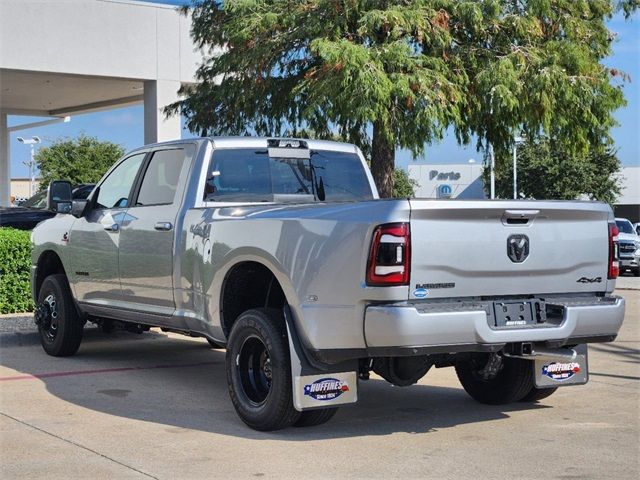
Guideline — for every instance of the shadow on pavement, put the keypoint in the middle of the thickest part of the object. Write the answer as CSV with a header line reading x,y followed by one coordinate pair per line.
x,y
181,383
616,349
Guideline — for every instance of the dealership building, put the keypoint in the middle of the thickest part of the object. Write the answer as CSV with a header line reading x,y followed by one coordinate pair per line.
x,y
464,181
628,204
76,56
461,180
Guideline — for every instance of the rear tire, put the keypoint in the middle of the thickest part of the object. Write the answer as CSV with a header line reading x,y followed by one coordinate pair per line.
x,y
259,370
511,383
537,394
312,418
61,328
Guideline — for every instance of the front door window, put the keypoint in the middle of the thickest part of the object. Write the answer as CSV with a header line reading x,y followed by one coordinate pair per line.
x,y
116,188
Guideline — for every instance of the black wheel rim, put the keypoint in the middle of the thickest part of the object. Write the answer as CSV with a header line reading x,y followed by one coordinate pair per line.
x,y
478,366
253,365
50,322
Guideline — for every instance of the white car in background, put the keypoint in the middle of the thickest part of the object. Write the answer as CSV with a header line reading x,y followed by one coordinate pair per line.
x,y
629,245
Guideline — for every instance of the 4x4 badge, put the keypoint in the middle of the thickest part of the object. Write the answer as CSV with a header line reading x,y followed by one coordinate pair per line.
x,y
518,248
590,280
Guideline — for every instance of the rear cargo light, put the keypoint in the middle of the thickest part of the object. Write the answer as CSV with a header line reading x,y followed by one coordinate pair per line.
x,y
614,262
390,256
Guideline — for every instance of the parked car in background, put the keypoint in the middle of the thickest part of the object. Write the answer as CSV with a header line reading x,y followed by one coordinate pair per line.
x,y
629,244
34,210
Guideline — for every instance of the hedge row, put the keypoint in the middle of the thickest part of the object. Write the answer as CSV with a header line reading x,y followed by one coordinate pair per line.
x,y
15,263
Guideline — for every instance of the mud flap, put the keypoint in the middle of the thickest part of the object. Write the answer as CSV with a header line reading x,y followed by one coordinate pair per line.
x,y
319,386
560,372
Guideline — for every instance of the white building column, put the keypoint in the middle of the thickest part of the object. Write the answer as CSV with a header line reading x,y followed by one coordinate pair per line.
x,y
5,162
157,95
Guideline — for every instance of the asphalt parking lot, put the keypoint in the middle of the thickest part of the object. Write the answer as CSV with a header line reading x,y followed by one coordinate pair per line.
x,y
156,405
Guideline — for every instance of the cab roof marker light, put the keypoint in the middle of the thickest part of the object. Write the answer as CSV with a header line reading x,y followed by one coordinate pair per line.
x,y
286,143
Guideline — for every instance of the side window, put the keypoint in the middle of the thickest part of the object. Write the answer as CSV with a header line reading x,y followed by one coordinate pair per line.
x,y
162,175
241,174
114,191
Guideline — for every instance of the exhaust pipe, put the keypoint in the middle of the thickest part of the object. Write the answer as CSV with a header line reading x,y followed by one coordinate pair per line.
x,y
527,351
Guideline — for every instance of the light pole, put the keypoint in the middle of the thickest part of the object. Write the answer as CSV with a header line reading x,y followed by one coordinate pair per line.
x,y
492,157
32,162
516,141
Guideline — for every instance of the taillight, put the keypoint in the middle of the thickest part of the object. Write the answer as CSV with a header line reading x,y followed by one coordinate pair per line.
x,y
390,255
614,263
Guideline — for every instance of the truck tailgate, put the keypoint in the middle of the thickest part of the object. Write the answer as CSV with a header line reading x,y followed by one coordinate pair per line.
x,y
498,248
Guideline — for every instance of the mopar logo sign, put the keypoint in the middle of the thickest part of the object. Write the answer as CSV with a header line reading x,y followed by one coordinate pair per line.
x,y
518,248
444,191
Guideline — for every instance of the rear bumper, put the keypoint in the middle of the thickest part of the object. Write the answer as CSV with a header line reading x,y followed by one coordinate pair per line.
x,y
410,327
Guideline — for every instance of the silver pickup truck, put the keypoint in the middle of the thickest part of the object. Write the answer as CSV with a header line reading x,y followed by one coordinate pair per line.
x,y
281,252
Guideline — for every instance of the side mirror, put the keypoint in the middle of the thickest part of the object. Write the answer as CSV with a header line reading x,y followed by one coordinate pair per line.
x,y
78,208
59,196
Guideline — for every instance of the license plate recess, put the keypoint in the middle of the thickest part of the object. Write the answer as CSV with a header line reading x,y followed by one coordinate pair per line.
x,y
518,313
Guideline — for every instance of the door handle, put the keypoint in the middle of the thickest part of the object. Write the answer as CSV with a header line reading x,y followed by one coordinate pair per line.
x,y
112,228
163,226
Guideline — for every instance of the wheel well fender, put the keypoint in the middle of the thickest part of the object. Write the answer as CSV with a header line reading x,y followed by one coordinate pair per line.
x,y
249,284
49,263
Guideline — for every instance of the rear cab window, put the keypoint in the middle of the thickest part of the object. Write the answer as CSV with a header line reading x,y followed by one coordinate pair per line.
x,y
251,174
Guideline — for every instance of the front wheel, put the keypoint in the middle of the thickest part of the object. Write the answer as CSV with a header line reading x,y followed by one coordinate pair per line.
x,y
496,380
259,370
58,322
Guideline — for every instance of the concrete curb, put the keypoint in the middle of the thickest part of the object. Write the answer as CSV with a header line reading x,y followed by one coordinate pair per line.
x,y
17,322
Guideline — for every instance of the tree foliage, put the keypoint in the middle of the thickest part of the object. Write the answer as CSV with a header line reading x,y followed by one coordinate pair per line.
x,y
81,160
403,185
548,171
393,74
15,267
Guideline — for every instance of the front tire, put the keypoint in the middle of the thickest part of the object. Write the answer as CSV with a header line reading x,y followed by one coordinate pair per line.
x,y
59,325
512,382
259,370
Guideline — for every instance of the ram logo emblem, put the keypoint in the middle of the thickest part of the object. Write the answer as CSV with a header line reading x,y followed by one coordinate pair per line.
x,y
518,248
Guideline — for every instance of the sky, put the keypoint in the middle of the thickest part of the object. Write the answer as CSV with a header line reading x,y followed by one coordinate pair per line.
x,y
124,126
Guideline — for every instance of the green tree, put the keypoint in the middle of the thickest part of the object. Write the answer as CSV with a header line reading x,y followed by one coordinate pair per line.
x,y
403,186
392,74
80,160
549,171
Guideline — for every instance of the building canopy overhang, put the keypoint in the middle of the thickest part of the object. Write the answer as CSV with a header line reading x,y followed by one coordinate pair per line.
x,y
65,58
47,94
